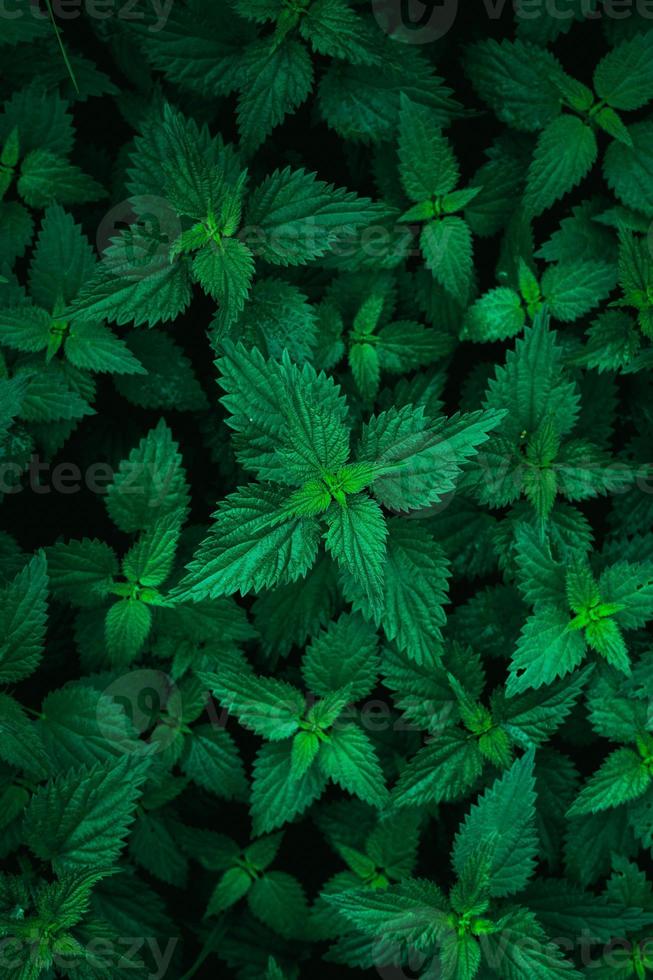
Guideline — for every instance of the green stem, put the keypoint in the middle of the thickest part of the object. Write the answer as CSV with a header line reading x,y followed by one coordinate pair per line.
x,y
61,47
206,950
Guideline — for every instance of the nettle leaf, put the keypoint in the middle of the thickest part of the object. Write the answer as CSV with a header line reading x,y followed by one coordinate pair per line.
x,y
23,611
504,820
46,178
414,591
225,271
135,282
572,289
278,900
446,244
356,539
211,760
495,316
276,79
343,654
624,78
149,484
81,572
81,819
268,706
441,771
548,648
62,259
532,385
527,949
517,80
276,796
564,154
414,911
428,167
627,169
127,626
81,726
297,218
349,759
251,546
623,776
422,458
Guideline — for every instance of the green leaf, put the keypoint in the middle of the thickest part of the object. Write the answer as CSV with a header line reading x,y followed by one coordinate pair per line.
x,y
169,382
211,760
81,819
572,289
46,177
234,884
518,80
504,820
149,561
344,653
414,592
349,759
421,460
94,347
25,328
149,484
414,911
278,900
81,572
441,771
275,79
629,585
266,705
532,385
298,218
497,315
82,726
628,170
62,260
522,948
136,282
447,248
20,743
428,167
624,77
23,611
276,796
547,649
356,538
530,718
460,956
565,152
289,419
334,29
364,364
251,546
127,626
612,124
622,777
225,271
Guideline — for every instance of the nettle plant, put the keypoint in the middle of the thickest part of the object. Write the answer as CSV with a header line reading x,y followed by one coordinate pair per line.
x,y
294,433
334,656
